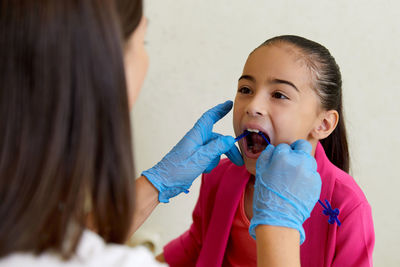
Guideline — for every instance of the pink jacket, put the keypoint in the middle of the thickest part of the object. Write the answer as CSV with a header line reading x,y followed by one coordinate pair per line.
x,y
326,244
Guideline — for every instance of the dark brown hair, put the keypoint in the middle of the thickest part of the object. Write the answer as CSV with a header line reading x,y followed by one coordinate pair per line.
x,y
328,86
130,12
65,139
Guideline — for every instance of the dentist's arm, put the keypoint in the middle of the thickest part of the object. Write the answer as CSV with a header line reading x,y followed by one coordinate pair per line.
x,y
286,190
146,201
277,246
197,152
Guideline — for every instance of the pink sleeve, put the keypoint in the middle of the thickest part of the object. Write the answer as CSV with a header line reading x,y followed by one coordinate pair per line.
x,y
355,238
184,250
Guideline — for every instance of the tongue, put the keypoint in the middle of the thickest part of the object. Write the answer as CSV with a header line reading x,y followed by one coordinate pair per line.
x,y
259,143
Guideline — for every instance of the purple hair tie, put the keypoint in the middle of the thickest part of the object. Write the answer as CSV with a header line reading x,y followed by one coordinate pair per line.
x,y
333,214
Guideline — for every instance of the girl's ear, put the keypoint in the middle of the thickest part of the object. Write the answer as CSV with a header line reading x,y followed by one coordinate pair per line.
x,y
327,123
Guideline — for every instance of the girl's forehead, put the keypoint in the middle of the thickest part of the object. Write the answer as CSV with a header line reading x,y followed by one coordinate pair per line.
x,y
278,61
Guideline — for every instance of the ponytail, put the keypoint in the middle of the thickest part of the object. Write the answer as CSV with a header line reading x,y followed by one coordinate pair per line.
x,y
336,147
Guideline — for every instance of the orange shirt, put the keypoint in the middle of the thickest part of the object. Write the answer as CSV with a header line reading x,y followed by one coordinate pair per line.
x,y
241,249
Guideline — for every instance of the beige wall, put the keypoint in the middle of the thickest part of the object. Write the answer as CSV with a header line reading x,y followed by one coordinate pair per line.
x,y
197,51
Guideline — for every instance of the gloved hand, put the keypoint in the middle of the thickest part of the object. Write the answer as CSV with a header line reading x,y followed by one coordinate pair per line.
x,y
287,187
197,152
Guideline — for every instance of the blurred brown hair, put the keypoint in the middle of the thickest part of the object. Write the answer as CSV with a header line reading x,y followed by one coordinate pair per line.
x,y
65,139
129,12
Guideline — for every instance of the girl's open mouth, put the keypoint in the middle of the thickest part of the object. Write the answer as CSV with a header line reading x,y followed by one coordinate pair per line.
x,y
254,143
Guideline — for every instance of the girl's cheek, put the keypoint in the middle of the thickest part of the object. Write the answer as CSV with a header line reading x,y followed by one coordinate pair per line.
x,y
236,116
236,125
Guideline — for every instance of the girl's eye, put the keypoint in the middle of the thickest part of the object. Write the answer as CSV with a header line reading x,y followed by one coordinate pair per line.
x,y
244,90
279,95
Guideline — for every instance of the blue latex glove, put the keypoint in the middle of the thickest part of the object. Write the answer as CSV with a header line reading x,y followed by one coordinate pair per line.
x,y
197,152
287,187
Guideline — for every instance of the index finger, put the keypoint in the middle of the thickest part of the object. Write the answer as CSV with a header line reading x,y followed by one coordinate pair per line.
x,y
302,145
216,113
210,117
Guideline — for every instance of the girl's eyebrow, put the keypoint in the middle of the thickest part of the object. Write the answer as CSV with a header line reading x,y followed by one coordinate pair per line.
x,y
247,77
273,81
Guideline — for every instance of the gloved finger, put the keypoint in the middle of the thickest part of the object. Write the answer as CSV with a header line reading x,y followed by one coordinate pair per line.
x,y
212,165
215,148
210,117
302,145
218,112
265,156
282,148
233,154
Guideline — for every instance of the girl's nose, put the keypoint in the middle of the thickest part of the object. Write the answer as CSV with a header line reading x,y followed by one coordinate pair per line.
x,y
257,106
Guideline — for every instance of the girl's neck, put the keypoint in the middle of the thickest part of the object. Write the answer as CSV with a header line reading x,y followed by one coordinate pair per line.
x,y
248,197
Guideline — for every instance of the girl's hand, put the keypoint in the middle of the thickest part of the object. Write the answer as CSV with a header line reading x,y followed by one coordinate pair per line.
x,y
199,151
287,187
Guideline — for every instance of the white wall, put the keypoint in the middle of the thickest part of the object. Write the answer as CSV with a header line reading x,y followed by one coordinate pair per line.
x,y
197,51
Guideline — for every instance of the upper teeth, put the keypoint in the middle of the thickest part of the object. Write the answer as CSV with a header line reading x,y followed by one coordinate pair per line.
x,y
253,130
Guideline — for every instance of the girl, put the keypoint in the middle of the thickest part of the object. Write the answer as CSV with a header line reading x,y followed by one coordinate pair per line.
x,y
290,88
